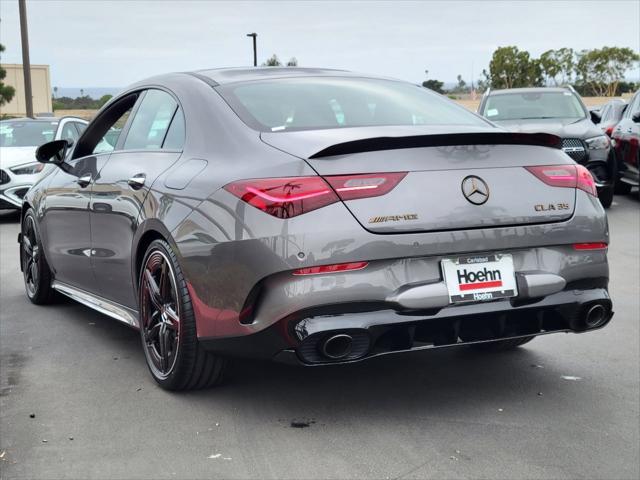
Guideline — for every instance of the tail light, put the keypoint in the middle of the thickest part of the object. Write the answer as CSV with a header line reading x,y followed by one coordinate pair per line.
x,y
284,197
590,246
291,196
609,130
338,267
352,187
570,176
586,181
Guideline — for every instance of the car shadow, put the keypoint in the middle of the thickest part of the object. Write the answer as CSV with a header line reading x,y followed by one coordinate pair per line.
x,y
423,383
9,216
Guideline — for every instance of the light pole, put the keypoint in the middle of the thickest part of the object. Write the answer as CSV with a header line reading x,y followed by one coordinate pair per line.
x,y
255,51
26,64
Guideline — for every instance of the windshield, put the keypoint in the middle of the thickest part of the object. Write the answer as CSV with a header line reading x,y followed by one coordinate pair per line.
x,y
533,105
339,102
26,134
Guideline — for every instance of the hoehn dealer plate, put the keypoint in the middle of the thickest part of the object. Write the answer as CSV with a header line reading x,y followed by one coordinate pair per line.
x,y
479,278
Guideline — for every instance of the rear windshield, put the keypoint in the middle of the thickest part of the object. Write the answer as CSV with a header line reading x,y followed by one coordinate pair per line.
x,y
338,102
533,105
26,134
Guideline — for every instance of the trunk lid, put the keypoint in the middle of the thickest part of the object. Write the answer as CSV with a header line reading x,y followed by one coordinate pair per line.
x,y
455,179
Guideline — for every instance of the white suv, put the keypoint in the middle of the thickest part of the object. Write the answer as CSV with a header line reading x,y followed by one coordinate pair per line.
x,y
19,139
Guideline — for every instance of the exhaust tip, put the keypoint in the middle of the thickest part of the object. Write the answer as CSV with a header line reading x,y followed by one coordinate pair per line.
x,y
596,316
337,347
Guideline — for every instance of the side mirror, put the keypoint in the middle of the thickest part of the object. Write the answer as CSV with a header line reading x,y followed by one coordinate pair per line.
x,y
53,152
595,117
636,117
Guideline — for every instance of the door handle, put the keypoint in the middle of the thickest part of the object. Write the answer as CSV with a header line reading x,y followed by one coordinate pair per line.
x,y
137,181
84,180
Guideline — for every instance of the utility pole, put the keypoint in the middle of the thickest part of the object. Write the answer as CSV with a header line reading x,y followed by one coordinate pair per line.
x,y
255,50
26,64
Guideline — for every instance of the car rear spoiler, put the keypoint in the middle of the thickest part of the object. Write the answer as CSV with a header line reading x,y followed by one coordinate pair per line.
x,y
440,140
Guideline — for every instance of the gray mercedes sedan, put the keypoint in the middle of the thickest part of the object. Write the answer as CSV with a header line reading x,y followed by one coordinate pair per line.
x,y
312,216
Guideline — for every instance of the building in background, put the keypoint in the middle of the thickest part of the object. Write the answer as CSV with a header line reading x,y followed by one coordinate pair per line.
x,y
41,86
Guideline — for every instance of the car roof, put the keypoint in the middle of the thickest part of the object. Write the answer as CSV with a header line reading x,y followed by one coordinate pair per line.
x,y
507,91
223,76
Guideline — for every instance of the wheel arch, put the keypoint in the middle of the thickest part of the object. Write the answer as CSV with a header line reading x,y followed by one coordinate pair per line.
x,y
150,230
23,211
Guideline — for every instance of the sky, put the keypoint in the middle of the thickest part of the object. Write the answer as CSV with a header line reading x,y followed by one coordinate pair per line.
x,y
114,43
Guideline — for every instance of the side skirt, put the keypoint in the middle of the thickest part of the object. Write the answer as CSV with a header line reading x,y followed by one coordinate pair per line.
x,y
99,304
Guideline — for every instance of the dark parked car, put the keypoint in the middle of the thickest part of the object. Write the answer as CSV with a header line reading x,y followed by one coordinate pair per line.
x,y
559,111
626,136
610,114
314,216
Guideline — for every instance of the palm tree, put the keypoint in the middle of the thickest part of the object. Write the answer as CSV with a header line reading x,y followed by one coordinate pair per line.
x,y
55,92
82,92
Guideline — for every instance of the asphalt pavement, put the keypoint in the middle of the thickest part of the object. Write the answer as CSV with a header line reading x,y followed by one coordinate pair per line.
x,y
563,406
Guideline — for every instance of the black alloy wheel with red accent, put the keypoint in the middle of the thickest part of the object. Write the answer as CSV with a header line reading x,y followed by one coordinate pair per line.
x,y
167,325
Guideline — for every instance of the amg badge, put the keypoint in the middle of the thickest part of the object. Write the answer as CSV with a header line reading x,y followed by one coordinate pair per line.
x,y
394,218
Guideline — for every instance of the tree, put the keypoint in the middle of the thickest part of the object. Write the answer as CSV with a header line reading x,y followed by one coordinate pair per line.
x,y
558,65
55,92
483,83
6,91
434,85
82,92
104,99
513,68
461,86
274,61
601,70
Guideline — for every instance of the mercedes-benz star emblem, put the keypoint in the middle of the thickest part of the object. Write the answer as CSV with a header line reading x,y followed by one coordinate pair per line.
x,y
475,190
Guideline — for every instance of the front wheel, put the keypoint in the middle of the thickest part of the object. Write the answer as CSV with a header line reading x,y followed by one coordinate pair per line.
x,y
174,356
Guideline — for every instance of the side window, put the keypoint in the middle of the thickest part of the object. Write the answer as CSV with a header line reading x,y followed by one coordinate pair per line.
x,y
151,121
80,127
175,136
102,134
109,140
69,132
633,106
636,106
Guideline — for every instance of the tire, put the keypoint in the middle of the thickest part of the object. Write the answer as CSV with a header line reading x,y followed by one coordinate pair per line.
x,y
174,356
35,269
605,195
502,345
622,188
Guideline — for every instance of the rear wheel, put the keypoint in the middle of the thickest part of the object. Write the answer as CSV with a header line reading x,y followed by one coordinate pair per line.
x,y
175,358
35,269
605,195
502,345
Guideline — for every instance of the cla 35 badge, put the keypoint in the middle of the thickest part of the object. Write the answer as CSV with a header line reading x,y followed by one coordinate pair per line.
x,y
473,279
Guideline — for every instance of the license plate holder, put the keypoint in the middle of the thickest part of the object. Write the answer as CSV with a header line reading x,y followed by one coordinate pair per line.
x,y
479,278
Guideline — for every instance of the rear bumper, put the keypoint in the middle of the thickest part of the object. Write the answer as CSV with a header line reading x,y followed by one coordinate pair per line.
x,y
300,337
